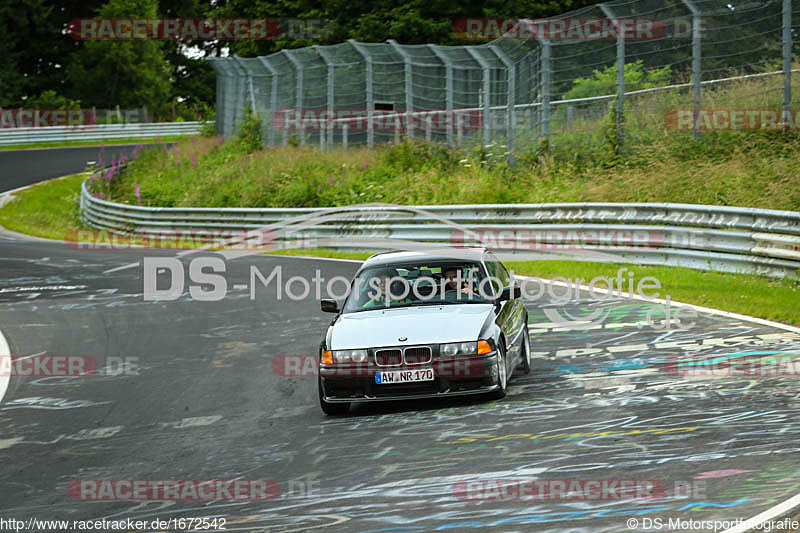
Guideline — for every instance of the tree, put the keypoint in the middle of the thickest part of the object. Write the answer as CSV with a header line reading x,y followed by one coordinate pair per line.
x,y
128,73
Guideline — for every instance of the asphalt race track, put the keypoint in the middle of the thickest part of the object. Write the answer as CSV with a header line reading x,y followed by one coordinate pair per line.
x,y
26,166
202,401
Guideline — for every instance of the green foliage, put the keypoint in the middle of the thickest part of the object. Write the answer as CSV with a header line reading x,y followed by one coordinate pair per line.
x,y
51,100
604,82
610,131
410,155
128,74
492,155
34,53
249,136
535,152
209,124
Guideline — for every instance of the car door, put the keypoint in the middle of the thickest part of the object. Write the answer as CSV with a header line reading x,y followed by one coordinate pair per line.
x,y
511,317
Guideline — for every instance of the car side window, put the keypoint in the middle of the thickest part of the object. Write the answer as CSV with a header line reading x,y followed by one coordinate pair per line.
x,y
494,275
498,271
502,273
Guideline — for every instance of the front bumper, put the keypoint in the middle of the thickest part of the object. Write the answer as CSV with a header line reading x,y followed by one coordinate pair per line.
x,y
480,378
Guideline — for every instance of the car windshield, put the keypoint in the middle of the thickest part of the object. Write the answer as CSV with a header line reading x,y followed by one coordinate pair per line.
x,y
405,285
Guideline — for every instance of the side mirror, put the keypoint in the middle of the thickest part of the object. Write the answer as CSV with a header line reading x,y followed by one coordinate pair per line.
x,y
329,306
512,292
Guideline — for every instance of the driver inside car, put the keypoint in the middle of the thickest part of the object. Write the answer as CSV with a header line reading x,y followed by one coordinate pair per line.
x,y
455,287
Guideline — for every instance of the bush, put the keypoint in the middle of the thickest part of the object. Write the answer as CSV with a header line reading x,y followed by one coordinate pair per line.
x,y
208,127
605,82
52,100
249,136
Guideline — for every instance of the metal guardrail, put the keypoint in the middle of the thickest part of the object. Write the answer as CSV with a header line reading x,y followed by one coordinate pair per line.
x,y
725,239
96,132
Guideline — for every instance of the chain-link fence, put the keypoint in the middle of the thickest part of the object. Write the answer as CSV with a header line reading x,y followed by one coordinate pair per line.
x,y
659,62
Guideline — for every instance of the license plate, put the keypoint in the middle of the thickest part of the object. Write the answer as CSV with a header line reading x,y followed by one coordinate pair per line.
x,y
404,376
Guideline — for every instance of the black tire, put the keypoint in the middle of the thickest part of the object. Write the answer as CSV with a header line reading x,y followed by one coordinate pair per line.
x,y
502,374
526,350
331,408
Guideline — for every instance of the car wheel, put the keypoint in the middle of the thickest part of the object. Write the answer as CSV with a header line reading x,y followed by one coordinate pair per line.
x,y
502,373
526,350
331,408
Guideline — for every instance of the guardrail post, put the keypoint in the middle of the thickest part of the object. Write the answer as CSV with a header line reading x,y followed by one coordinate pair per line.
x,y
787,57
511,73
331,73
620,74
448,69
299,96
409,85
273,97
487,92
697,66
368,89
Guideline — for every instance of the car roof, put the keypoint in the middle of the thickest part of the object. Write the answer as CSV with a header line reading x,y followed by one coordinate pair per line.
x,y
432,255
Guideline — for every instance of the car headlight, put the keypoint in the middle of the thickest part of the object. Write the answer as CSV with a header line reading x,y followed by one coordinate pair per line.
x,y
347,356
458,348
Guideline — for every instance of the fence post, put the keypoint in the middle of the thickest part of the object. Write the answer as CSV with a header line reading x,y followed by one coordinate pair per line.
x,y
620,74
222,83
697,65
331,73
299,88
547,82
273,97
241,94
787,57
249,79
409,85
369,93
487,93
250,87
511,73
448,66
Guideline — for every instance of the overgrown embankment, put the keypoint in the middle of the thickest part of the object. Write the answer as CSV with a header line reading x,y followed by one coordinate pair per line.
x,y
754,169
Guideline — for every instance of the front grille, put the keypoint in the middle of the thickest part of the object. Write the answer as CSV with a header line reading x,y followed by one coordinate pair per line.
x,y
392,357
413,355
417,355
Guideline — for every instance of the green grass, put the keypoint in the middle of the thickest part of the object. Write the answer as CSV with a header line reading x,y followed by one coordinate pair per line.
x,y
107,142
48,209
325,252
737,293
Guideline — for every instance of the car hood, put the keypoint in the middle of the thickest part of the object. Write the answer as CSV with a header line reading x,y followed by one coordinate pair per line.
x,y
421,325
